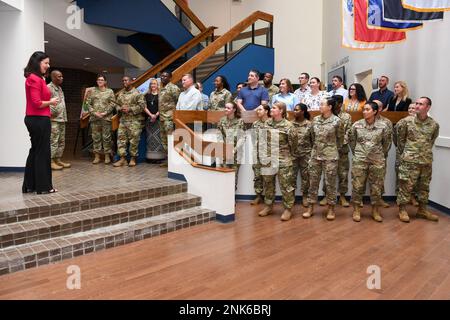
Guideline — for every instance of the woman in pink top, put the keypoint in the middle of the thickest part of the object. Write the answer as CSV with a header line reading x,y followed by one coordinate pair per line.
x,y
38,173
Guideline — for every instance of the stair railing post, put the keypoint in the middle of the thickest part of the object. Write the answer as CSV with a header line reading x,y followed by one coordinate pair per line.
x,y
253,33
194,74
226,52
271,35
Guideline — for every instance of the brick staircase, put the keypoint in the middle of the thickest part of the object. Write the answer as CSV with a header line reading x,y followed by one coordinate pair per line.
x,y
49,229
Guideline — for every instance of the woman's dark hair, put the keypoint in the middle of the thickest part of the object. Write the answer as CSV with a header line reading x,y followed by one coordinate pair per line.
x,y
288,84
339,99
237,111
101,76
360,92
225,83
267,109
304,108
34,64
317,79
374,106
332,103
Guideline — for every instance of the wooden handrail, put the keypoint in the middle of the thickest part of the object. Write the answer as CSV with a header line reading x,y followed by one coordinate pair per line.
x,y
163,64
209,51
250,116
191,15
198,145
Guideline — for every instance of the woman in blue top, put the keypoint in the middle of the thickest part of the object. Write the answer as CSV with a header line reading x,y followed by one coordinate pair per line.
x,y
286,95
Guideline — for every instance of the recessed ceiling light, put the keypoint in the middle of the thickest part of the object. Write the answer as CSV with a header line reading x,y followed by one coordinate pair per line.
x,y
87,58
105,71
45,41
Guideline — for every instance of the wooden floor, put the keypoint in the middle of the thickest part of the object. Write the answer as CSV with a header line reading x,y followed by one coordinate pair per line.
x,y
260,258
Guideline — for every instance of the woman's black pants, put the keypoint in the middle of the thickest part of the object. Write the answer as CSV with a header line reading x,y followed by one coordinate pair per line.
x,y
38,171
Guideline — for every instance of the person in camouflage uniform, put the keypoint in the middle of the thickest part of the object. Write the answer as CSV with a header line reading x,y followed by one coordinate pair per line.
x,y
390,131
412,113
343,162
268,84
282,143
130,106
231,128
415,140
302,127
370,140
328,136
258,127
167,102
58,121
222,95
101,103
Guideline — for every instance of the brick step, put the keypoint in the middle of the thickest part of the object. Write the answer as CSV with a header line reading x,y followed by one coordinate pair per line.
x,y
50,227
43,252
36,207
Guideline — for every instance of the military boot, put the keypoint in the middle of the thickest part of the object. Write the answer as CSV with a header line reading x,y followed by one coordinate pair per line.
x,y
305,200
132,162
343,202
96,159
356,213
324,201
383,204
62,164
120,163
266,211
331,215
258,199
287,215
425,214
310,212
107,158
403,214
414,201
376,214
55,166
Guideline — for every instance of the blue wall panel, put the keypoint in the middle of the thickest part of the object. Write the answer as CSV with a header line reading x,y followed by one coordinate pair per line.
x,y
236,69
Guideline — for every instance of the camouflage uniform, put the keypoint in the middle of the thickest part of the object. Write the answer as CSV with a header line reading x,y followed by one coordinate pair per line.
x,y
370,144
343,162
257,130
167,102
415,140
303,154
389,132
101,101
232,131
131,123
285,146
397,152
328,137
273,90
218,99
58,120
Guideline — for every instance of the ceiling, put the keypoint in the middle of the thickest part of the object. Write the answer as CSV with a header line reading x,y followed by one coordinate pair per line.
x,y
66,51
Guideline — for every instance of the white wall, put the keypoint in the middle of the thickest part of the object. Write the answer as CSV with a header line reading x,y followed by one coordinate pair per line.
x,y
297,30
21,33
422,61
14,4
55,14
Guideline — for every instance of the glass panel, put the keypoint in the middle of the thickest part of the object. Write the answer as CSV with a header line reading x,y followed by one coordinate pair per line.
x,y
176,11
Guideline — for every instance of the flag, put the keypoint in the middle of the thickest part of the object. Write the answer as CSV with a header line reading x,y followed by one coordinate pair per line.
x,y
393,11
348,29
426,5
366,35
375,19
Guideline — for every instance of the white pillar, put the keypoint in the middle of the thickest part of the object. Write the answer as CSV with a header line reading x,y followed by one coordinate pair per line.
x,y
21,33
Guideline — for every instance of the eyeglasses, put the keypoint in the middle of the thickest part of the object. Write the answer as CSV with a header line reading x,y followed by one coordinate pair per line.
x,y
352,89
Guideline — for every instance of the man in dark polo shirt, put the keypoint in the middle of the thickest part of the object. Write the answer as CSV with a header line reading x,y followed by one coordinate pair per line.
x,y
253,95
384,94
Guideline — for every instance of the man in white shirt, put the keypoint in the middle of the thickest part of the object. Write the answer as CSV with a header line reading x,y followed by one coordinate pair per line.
x,y
304,87
338,87
190,98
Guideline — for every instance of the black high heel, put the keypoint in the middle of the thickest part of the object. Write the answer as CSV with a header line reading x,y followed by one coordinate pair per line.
x,y
24,190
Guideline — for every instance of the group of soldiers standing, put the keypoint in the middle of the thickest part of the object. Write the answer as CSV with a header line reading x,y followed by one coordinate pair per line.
x,y
322,145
